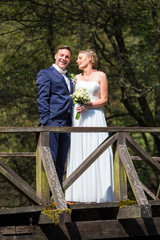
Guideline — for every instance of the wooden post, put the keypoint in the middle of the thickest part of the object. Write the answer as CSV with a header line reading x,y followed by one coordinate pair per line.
x,y
42,186
51,172
133,177
120,179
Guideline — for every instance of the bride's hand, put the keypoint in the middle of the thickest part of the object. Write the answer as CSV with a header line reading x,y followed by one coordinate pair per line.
x,y
81,108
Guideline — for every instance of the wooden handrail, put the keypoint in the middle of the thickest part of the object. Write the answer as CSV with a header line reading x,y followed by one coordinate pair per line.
x,y
46,176
79,129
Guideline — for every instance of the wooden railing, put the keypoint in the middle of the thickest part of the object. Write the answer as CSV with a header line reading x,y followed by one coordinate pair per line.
x,y
47,179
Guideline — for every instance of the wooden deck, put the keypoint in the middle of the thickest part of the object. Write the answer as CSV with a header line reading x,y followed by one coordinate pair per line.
x,y
87,220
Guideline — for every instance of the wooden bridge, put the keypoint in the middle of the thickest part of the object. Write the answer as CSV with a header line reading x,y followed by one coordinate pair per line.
x,y
116,220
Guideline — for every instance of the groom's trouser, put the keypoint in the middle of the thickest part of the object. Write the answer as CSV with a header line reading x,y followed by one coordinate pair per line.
x,y
59,144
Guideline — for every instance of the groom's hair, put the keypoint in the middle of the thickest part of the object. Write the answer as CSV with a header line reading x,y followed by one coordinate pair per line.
x,y
64,47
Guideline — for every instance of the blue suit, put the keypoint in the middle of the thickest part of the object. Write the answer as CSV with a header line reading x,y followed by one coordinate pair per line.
x,y
55,109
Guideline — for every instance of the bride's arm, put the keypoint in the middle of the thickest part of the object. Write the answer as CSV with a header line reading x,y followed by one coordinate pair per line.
x,y
74,83
103,98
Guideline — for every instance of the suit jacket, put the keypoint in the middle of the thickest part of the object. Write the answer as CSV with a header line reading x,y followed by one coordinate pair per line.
x,y
54,100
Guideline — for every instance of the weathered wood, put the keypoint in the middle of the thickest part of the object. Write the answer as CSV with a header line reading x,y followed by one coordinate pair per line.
x,y
22,233
136,211
17,154
158,190
151,194
52,177
51,173
78,129
110,229
131,222
17,230
88,161
47,175
94,205
15,175
22,210
114,229
19,183
120,179
137,158
128,212
132,174
33,154
145,156
42,186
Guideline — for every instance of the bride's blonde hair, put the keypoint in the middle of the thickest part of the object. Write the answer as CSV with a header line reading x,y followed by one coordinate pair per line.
x,y
93,55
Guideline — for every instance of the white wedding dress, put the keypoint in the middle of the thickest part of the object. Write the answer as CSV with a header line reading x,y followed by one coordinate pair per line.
x,y
96,183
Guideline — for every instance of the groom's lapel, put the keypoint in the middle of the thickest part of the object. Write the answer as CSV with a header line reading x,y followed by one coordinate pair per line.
x,y
71,84
59,75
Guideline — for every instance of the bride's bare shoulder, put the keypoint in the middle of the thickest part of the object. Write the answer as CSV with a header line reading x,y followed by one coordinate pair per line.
x,y
100,75
78,77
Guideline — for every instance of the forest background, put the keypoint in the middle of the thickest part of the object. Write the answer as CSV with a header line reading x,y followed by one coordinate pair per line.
x,y
126,37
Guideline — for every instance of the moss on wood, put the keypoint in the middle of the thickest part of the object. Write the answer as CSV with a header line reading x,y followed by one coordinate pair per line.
x,y
127,202
52,212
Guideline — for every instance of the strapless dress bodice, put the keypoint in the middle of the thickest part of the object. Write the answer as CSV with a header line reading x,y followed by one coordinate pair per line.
x,y
92,88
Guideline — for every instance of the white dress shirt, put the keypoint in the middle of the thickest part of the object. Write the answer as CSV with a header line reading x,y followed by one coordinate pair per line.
x,y
63,72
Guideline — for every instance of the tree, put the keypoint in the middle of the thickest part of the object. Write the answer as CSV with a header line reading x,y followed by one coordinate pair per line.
x,y
125,35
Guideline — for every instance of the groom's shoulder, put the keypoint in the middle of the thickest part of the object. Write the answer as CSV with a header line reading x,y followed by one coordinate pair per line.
x,y
46,71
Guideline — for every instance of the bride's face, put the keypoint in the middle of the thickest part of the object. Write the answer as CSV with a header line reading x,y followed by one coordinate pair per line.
x,y
83,60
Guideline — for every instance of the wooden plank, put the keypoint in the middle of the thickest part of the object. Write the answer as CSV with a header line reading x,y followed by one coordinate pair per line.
x,y
42,185
132,174
51,173
120,179
151,194
16,176
118,229
18,230
18,154
108,229
158,190
78,129
33,154
22,210
52,177
22,233
154,202
19,184
135,211
128,212
137,158
145,156
88,161
78,206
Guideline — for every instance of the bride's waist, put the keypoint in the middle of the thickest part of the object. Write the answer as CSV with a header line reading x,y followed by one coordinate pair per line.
x,y
89,109
93,99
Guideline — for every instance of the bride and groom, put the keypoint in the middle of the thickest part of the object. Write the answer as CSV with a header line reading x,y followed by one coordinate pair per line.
x,y
55,108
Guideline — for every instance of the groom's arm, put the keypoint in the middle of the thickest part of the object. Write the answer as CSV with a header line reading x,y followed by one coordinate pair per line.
x,y
43,84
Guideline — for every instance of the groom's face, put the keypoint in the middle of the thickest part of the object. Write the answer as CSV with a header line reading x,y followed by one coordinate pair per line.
x,y
62,58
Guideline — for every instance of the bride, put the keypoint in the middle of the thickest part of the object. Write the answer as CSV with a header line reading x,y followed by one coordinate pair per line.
x,y
96,183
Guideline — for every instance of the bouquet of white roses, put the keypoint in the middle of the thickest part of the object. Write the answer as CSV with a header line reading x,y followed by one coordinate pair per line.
x,y
80,96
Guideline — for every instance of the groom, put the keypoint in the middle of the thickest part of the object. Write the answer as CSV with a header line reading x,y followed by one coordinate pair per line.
x,y
55,105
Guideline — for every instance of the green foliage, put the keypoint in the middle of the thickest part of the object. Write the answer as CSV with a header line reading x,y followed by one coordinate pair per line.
x,y
125,36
